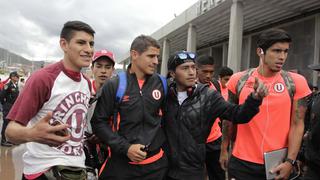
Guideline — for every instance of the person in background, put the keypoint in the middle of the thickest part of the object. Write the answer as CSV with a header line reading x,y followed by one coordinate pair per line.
x,y
224,75
205,72
312,135
21,84
8,96
102,69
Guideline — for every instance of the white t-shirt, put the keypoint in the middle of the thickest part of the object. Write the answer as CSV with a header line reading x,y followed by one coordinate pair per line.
x,y
66,94
182,96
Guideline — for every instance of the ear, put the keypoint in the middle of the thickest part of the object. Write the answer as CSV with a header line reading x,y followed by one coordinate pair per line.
x,y
63,44
260,52
134,54
173,74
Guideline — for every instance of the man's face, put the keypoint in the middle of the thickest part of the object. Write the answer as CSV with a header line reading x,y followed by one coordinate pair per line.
x,y
102,69
185,75
205,73
147,61
15,79
276,56
78,51
224,81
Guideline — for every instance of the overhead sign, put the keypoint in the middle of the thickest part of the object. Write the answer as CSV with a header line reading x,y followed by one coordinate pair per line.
x,y
206,5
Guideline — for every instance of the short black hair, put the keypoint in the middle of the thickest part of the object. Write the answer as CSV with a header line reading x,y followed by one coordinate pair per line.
x,y
225,71
142,42
271,36
204,60
173,62
70,27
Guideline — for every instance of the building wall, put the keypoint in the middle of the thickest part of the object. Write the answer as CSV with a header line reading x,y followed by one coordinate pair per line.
x,y
301,53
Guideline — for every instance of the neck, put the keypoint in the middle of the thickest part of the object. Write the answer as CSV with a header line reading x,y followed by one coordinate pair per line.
x,y
69,66
265,72
140,75
181,88
98,86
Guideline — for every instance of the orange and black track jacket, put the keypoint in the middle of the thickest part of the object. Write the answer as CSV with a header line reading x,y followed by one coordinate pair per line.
x,y
140,116
188,125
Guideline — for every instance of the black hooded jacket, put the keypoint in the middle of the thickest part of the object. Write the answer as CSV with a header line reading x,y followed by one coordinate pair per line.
x,y
188,125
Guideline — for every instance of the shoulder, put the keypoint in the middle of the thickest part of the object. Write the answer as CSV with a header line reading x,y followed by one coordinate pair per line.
x,y
44,77
296,77
236,76
301,86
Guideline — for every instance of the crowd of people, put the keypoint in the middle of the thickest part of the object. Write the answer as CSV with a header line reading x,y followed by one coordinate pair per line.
x,y
139,126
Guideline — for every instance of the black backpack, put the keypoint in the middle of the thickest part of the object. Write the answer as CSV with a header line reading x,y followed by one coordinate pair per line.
x,y
312,119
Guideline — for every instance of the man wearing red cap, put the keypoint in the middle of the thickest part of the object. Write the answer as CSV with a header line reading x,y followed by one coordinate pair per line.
x,y
102,68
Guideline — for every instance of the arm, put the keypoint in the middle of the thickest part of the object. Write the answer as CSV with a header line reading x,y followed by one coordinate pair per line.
x,y
243,113
227,133
295,136
41,132
102,114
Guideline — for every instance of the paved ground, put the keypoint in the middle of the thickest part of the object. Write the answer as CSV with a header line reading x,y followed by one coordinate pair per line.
x,y
11,161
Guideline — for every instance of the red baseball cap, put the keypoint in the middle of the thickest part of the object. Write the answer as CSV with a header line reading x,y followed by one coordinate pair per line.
x,y
103,53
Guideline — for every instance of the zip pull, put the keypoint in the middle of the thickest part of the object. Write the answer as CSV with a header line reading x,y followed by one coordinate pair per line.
x,y
140,92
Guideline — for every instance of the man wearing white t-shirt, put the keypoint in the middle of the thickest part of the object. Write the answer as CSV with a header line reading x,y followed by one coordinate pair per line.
x,y
49,115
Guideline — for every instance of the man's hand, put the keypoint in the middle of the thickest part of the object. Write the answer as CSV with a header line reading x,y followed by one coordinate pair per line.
x,y
283,170
93,139
52,135
260,90
135,154
224,159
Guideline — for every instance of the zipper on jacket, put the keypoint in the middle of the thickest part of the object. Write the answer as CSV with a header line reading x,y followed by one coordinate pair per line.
x,y
179,127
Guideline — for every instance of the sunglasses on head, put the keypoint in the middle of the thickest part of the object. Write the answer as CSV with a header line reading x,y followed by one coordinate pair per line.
x,y
185,55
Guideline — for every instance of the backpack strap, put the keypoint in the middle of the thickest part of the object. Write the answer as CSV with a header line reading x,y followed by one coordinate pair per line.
x,y
216,85
164,84
242,81
122,86
289,83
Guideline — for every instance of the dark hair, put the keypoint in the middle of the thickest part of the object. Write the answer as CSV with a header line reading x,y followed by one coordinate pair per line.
x,y
142,42
71,26
225,71
204,60
271,36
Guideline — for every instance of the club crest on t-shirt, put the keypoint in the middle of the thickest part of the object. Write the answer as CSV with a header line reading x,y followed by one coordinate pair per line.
x,y
72,110
278,87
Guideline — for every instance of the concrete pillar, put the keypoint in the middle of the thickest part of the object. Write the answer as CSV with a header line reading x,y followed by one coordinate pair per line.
x,y
165,57
192,38
248,59
316,58
224,54
235,35
124,65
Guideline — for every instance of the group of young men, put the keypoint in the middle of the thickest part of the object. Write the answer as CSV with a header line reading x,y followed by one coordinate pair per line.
x,y
154,131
